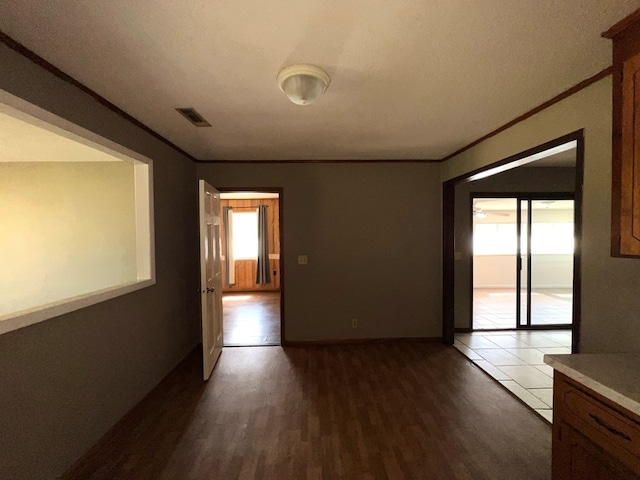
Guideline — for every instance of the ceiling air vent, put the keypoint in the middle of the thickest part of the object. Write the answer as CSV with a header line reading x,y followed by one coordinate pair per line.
x,y
193,116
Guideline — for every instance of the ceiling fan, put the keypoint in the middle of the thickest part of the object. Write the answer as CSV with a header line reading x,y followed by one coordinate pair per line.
x,y
479,213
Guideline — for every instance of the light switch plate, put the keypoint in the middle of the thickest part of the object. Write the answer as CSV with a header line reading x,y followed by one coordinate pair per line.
x,y
302,260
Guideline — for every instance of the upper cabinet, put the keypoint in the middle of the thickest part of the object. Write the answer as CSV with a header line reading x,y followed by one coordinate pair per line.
x,y
625,230
625,227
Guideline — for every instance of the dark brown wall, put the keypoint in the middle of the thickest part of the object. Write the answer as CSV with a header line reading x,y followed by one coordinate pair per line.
x,y
65,381
246,270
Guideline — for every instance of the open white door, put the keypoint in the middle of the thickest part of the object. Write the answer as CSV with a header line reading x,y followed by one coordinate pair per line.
x,y
210,276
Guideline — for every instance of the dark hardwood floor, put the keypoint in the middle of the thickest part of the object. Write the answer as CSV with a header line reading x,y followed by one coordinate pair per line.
x,y
251,318
396,410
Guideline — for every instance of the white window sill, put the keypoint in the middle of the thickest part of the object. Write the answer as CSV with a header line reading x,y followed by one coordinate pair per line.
x,y
24,318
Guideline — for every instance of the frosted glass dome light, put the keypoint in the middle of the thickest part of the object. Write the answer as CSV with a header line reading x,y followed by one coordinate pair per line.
x,y
303,83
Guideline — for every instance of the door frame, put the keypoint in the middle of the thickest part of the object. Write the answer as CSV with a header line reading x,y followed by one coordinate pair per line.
x,y
448,233
519,196
280,192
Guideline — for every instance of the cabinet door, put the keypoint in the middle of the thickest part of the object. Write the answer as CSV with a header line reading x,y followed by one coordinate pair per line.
x,y
630,161
587,461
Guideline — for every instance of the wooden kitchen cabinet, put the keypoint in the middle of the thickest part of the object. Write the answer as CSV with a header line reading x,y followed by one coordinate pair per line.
x,y
625,206
593,437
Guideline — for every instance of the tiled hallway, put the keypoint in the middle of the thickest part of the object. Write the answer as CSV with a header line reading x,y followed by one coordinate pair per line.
x,y
515,359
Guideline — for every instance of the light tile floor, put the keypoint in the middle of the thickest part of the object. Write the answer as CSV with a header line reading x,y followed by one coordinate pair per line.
x,y
496,308
515,359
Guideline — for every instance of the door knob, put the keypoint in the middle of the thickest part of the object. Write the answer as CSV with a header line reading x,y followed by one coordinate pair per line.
x,y
210,289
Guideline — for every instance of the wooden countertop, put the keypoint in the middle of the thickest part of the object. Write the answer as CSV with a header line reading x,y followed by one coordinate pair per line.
x,y
615,376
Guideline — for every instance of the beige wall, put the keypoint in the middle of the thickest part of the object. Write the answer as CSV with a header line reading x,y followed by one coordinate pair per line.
x,y
68,230
65,381
610,288
372,234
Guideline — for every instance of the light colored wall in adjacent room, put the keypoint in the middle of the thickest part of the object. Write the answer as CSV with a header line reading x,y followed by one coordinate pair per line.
x,y
65,381
372,233
610,287
68,230
499,271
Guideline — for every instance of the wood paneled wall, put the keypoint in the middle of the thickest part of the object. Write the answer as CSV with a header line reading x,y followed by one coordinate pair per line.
x,y
246,269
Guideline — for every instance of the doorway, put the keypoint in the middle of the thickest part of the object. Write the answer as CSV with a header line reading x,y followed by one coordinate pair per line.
x,y
538,300
523,260
252,267
456,277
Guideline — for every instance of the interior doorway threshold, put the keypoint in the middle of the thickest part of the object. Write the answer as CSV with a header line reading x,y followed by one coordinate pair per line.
x,y
515,360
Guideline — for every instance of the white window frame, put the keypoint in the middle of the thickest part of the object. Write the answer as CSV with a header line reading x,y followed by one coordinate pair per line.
x,y
145,232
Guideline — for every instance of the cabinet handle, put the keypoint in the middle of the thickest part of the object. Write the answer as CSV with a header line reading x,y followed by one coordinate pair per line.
x,y
604,424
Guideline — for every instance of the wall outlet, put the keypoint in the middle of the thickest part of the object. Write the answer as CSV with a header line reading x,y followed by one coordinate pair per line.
x,y
302,260
354,322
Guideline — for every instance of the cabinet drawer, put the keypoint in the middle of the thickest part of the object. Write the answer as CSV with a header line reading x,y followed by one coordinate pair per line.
x,y
605,426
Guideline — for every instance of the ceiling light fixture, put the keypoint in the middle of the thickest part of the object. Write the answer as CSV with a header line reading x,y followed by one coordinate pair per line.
x,y
303,83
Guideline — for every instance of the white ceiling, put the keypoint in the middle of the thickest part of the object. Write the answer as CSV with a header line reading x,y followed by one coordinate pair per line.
x,y
247,195
410,79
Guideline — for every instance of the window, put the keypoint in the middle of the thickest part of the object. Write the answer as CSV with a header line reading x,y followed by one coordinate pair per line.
x,y
245,235
501,239
552,238
495,239
76,218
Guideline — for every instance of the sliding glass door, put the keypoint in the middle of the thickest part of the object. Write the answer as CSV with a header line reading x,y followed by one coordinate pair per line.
x,y
495,257
551,262
523,264
523,249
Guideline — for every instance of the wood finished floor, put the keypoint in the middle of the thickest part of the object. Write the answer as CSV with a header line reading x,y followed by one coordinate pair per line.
x,y
405,410
251,318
